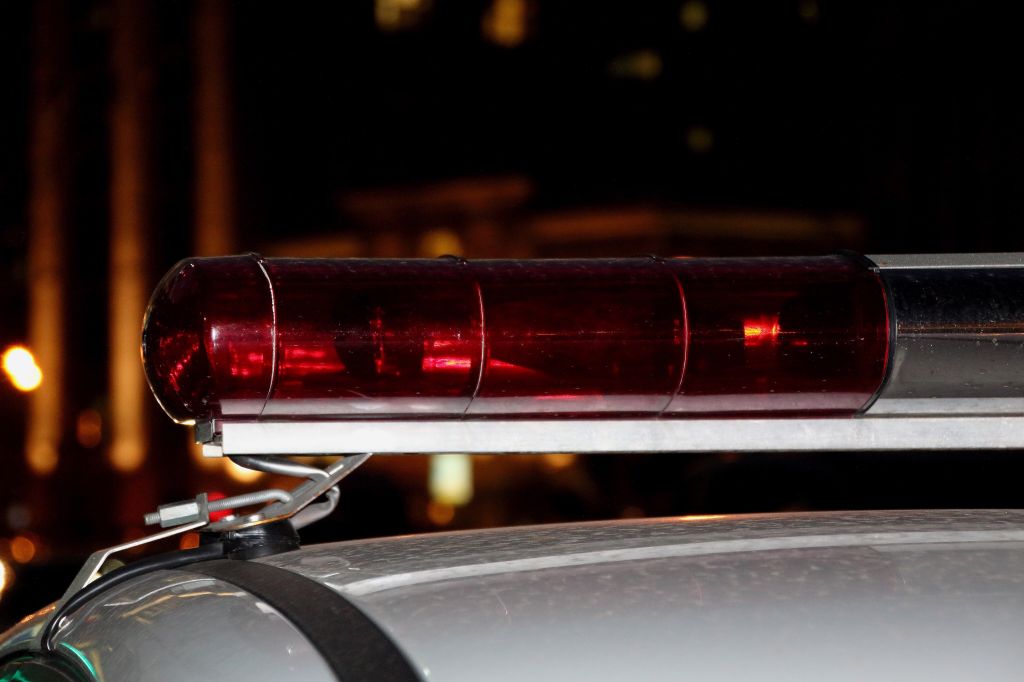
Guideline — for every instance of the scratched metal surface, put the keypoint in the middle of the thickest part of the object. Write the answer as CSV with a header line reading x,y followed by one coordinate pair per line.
x,y
934,595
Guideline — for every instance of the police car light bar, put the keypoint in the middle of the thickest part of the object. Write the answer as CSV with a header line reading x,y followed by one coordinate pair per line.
x,y
283,356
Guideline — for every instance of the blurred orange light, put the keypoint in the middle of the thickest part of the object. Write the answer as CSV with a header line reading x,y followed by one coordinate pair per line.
x,y
809,11
701,517
89,428
559,460
23,550
439,513
693,15
505,22
240,474
20,366
699,139
440,242
397,15
127,454
5,576
42,458
643,65
189,541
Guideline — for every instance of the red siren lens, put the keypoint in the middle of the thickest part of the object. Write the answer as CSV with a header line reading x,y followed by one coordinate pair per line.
x,y
374,338
248,338
781,336
207,341
579,337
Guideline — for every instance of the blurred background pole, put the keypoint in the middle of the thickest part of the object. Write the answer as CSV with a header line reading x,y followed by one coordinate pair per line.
x,y
215,180
131,179
48,208
214,229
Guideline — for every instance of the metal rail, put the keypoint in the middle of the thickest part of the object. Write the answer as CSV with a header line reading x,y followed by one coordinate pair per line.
x,y
973,432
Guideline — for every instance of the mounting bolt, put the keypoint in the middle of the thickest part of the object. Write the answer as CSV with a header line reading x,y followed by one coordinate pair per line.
x,y
180,513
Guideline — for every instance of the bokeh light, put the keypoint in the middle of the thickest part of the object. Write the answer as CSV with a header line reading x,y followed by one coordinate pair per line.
x,y
23,549
240,474
5,577
89,428
451,479
20,366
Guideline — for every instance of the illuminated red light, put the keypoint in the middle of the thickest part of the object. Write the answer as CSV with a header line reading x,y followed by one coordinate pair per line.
x,y
444,364
248,338
760,330
439,356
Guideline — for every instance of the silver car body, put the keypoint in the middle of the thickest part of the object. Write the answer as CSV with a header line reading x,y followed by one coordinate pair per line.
x,y
931,595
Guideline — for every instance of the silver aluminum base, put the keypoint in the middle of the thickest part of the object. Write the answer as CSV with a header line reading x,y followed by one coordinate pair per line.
x,y
618,435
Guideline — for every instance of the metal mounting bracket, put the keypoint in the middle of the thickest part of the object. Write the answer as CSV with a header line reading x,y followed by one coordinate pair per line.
x,y
93,566
297,504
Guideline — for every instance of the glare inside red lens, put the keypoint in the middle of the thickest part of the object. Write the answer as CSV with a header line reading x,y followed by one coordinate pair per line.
x,y
758,331
374,338
577,337
781,336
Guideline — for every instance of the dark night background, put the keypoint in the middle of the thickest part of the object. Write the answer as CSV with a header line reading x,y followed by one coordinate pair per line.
x,y
494,128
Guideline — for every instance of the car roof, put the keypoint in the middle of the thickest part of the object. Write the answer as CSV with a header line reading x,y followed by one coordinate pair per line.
x,y
935,595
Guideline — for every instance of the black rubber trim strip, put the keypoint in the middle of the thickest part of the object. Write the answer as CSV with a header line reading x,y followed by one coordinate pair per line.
x,y
159,562
354,647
